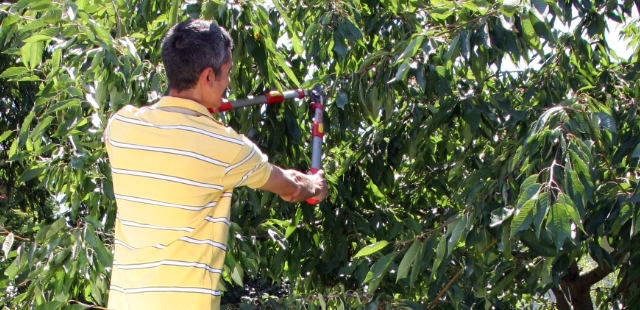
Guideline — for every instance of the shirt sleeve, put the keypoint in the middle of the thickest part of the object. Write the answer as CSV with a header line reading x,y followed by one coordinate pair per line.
x,y
249,168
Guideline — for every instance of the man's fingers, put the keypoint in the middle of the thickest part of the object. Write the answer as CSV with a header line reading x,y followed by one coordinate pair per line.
x,y
321,184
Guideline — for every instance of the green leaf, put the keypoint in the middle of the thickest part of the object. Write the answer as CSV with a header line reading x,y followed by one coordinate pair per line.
x,y
509,7
402,71
531,180
541,6
607,122
454,233
372,248
571,209
50,305
55,228
35,51
529,32
30,174
528,193
441,13
411,49
62,105
102,33
636,152
440,253
426,251
341,100
338,45
580,166
174,12
56,58
5,135
13,72
504,282
635,226
506,243
506,22
558,224
236,275
295,40
378,270
25,124
522,220
37,38
287,70
311,30
498,216
408,259
13,269
41,126
375,190
7,244
104,256
454,49
540,212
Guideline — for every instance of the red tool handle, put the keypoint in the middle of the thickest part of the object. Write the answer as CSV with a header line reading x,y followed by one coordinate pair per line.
x,y
312,201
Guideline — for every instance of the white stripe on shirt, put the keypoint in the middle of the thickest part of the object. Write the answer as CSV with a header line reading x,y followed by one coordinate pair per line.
x,y
165,178
181,127
167,150
164,204
164,289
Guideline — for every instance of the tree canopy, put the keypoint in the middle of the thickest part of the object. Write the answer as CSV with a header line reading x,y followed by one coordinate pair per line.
x,y
453,184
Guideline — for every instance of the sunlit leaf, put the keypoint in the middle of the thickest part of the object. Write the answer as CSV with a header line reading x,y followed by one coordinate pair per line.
x,y
372,248
407,260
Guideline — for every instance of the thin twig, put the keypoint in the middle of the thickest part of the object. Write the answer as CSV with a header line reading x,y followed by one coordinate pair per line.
x,y
118,27
486,248
428,232
433,303
446,287
16,236
15,14
86,305
314,298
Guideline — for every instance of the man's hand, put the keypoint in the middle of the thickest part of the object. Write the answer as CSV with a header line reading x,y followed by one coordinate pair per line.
x,y
294,186
320,185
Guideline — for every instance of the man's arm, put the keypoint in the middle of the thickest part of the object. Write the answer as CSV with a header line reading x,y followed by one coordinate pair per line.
x,y
294,186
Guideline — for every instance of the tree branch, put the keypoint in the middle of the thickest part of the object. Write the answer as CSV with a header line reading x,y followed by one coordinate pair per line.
x,y
561,300
593,276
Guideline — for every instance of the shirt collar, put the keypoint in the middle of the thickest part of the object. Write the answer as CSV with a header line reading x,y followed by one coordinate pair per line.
x,y
169,101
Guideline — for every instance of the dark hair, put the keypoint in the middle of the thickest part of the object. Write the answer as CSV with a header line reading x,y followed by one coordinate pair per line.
x,y
192,46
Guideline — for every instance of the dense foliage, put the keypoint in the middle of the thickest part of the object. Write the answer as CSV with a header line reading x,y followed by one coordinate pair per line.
x,y
453,185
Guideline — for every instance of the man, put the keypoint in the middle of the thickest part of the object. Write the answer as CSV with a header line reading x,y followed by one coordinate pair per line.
x,y
174,170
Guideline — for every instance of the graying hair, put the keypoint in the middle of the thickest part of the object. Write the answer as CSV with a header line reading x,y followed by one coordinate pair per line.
x,y
192,46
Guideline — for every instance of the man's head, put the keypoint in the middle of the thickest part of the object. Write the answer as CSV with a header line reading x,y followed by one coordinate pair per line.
x,y
197,59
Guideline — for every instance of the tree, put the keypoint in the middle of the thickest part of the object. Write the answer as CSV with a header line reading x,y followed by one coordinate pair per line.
x,y
453,184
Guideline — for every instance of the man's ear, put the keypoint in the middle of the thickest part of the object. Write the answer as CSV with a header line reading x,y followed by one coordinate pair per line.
x,y
208,76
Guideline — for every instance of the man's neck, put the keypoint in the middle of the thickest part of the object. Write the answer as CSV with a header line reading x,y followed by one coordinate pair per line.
x,y
190,94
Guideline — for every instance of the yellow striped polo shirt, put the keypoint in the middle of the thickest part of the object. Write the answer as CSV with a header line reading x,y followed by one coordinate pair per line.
x,y
174,169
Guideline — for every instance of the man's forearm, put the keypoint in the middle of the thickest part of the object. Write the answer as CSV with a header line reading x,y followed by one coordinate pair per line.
x,y
291,185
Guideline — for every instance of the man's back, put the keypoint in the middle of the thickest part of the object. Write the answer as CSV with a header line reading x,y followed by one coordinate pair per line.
x,y
174,169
